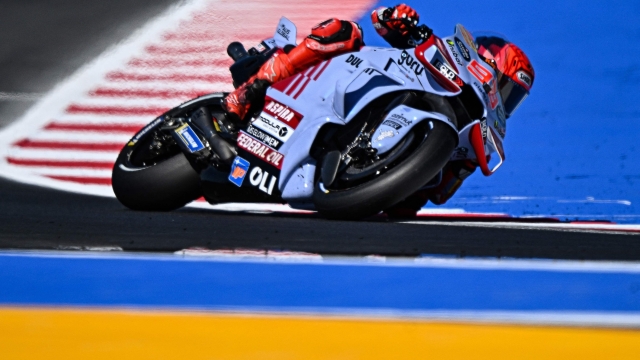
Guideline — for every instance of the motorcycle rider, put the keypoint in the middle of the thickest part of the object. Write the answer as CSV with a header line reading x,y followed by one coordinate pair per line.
x,y
398,25
328,39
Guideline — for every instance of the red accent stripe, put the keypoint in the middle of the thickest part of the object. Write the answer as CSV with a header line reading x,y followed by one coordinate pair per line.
x,y
183,50
162,63
122,76
192,34
63,164
115,110
145,93
322,69
310,71
106,128
283,85
293,86
600,222
59,145
87,180
304,86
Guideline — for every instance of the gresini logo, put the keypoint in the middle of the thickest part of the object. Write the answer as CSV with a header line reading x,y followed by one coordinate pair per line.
x,y
413,64
284,32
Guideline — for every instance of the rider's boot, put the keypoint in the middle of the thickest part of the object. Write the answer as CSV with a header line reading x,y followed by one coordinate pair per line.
x,y
204,121
238,102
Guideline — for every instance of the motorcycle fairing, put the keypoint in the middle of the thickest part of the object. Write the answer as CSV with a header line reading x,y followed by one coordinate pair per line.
x,y
286,33
462,48
335,91
398,123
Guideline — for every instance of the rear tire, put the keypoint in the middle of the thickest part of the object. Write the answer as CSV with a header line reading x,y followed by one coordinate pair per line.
x,y
391,187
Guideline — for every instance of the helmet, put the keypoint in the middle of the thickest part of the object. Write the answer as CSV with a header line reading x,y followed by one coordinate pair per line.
x,y
515,72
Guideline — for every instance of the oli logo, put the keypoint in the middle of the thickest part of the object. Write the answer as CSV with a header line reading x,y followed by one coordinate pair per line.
x,y
260,178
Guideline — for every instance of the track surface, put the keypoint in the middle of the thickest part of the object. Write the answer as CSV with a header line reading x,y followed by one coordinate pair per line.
x,y
33,217
62,35
43,42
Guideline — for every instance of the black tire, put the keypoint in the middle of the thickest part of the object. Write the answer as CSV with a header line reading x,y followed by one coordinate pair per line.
x,y
166,186
391,187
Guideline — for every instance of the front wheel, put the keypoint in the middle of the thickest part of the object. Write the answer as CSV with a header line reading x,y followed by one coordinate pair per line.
x,y
403,178
152,178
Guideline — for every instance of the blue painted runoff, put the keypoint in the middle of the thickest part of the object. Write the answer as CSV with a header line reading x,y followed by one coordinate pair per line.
x,y
572,148
183,284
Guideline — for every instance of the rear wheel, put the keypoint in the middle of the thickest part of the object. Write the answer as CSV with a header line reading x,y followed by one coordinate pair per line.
x,y
367,190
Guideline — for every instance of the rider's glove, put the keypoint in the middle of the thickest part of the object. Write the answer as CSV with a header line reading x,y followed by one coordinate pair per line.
x,y
401,19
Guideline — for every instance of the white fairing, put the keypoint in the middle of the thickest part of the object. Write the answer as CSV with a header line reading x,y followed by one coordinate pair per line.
x,y
286,33
335,91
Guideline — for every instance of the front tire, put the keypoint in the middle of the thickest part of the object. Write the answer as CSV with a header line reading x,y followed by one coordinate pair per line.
x,y
168,185
391,187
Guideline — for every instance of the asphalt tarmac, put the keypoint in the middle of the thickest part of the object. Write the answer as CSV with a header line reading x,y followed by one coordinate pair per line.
x,y
45,41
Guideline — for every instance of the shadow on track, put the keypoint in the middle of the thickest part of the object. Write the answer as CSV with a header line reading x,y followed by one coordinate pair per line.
x,y
38,218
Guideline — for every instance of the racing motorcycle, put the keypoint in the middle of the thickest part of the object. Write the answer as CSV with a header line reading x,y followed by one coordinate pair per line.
x,y
348,137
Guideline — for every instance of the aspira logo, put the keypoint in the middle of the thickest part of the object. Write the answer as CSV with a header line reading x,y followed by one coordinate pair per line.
x,y
282,113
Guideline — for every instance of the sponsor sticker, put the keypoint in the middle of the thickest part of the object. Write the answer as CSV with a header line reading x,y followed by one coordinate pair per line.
x,y
499,128
480,72
392,124
401,119
146,129
501,115
354,61
385,134
274,127
493,95
239,170
467,37
524,78
260,150
482,92
189,138
264,137
263,180
483,127
463,49
454,52
282,113
445,70
284,31
409,62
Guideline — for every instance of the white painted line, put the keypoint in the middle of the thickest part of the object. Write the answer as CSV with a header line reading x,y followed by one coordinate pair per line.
x,y
13,96
598,228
